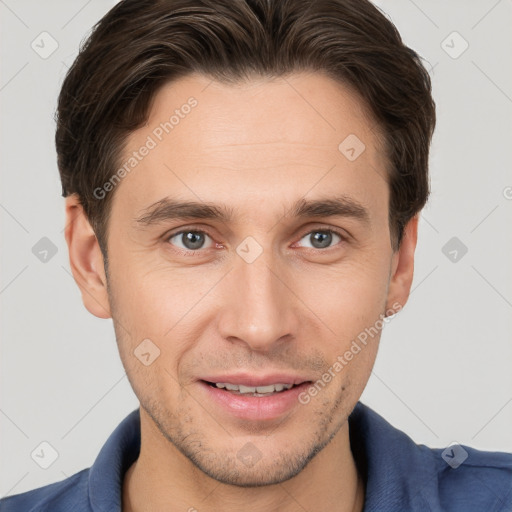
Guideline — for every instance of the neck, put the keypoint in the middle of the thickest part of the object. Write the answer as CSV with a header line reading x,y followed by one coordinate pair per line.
x,y
162,478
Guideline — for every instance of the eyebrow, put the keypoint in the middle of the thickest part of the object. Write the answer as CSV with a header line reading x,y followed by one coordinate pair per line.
x,y
173,209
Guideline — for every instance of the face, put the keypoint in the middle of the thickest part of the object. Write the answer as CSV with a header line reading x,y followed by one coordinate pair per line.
x,y
283,262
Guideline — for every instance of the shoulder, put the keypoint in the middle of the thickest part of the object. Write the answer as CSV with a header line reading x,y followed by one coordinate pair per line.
x,y
403,475
63,496
457,478
96,488
472,479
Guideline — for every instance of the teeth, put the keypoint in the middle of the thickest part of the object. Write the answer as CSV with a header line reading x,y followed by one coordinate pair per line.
x,y
271,388
246,389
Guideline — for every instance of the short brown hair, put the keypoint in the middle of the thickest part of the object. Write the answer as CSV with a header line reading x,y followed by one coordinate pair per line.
x,y
141,44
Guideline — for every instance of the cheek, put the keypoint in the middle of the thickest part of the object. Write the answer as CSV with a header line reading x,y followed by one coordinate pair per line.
x,y
350,294
150,293
164,305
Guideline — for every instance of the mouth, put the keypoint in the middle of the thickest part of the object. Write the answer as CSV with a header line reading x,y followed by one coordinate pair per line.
x,y
255,391
254,399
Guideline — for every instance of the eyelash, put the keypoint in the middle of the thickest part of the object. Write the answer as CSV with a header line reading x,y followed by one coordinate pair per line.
x,y
200,231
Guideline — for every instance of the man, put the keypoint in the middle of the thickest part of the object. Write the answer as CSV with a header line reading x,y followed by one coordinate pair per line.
x,y
243,181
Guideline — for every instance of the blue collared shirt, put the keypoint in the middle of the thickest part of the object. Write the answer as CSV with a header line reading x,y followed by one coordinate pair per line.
x,y
400,475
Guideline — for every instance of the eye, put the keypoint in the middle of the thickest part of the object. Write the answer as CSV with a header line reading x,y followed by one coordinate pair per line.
x,y
190,240
322,238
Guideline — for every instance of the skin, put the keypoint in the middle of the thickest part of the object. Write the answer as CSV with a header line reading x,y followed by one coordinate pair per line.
x,y
255,147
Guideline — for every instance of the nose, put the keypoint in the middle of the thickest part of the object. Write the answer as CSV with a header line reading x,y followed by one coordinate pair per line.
x,y
258,307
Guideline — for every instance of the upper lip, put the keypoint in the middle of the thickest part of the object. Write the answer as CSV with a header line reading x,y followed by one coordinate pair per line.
x,y
256,380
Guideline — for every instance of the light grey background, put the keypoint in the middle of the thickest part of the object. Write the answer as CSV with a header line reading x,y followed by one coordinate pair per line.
x,y
443,372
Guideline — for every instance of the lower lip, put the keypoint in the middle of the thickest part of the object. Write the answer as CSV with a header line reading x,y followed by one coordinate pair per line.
x,y
256,408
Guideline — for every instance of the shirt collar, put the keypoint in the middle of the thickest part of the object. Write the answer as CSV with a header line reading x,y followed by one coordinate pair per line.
x,y
399,474
107,473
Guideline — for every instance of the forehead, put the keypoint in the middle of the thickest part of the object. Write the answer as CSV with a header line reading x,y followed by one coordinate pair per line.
x,y
263,138
306,108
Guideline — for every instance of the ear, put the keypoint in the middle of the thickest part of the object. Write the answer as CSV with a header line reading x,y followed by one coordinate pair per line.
x,y
86,259
402,267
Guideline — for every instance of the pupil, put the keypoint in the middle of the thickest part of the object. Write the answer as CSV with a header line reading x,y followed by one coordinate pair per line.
x,y
192,240
323,237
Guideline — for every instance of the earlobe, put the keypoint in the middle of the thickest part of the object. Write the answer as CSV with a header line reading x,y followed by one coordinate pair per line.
x,y
86,259
402,268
